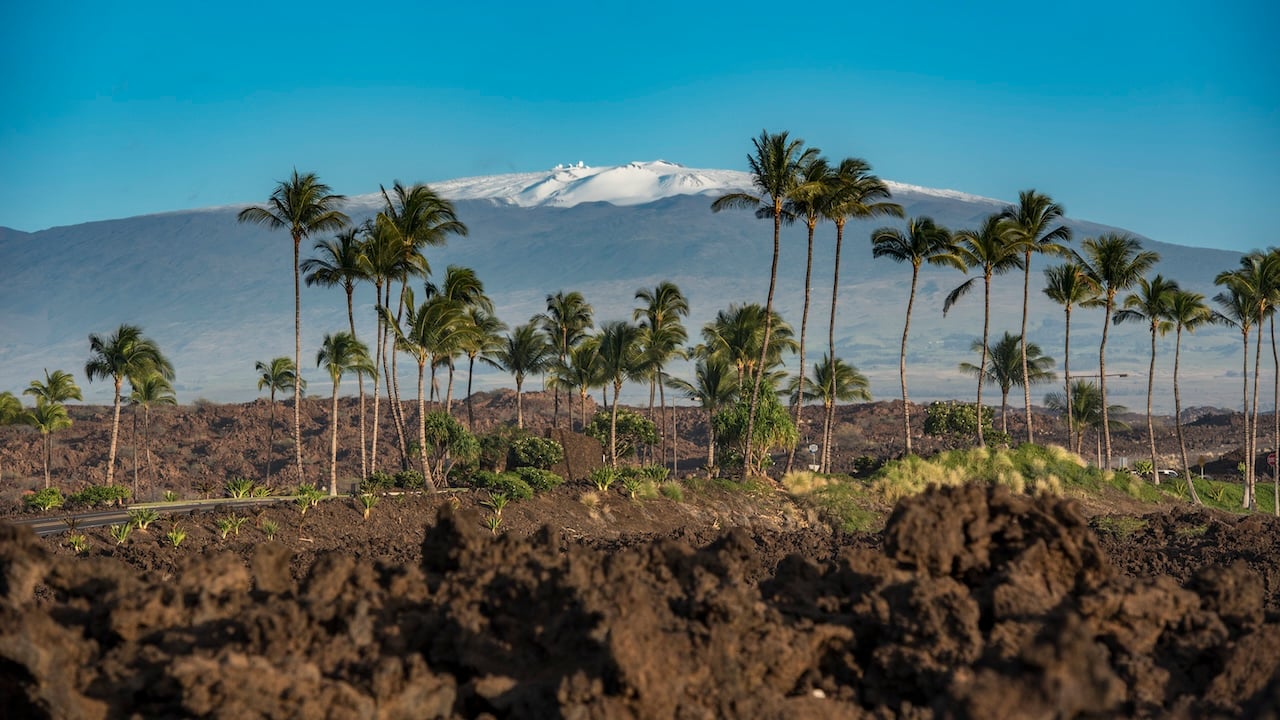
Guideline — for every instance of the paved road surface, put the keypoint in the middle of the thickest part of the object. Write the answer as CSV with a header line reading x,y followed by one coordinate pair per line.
x,y
54,525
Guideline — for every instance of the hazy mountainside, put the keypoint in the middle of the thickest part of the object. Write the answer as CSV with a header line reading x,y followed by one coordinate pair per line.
x,y
217,295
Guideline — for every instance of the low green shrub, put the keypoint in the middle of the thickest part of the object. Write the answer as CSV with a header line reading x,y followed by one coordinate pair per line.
x,y
508,483
377,482
239,487
410,480
603,477
536,452
45,499
95,495
540,480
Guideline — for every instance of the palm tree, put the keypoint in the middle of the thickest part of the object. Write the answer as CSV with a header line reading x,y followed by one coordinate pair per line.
x,y
1067,285
1086,411
48,417
989,249
482,339
663,336
775,173
852,193
1028,227
11,412
581,372
849,385
1113,263
1150,304
303,205
1188,311
524,352
340,262
1241,309
1258,279
712,388
145,391
620,360
566,322
277,374
923,242
125,353
339,354
380,261
1004,368
736,336
58,387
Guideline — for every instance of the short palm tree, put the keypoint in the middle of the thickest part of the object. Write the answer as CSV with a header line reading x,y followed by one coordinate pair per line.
x,y
712,388
990,250
580,372
1238,305
775,174
339,354
277,375
1067,285
663,339
146,391
482,339
48,417
923,242
1030,227
524,352
1189,312
620,361
736,335
10,408
124,353
1086,411
566,322
1004,369
1150,304
58,387
849,385
304,206
1113,263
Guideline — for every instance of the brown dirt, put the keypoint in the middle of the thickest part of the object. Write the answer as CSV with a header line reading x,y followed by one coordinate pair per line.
x,y
972,603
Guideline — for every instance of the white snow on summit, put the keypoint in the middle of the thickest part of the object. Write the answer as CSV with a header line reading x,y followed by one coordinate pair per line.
x,y
635,183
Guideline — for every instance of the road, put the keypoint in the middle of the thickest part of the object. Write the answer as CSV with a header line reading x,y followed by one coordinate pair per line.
x,y
53,525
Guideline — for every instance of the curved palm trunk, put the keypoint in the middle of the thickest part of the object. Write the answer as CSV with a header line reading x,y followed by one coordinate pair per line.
x,y
1102,379
333,443
1177,417
982,366
448,395
804,323
397,411
902,361
828,411
297,359
364,453
422,427
1022,345
748,465
1151,428
471,411
115,433
831,346
1066,371
380,343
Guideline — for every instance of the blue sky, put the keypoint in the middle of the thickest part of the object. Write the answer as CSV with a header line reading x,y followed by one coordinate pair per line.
x,y
1160,117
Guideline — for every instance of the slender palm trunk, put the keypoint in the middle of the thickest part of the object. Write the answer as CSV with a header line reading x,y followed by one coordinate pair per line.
x,y
831,346
1022,345
146,442
662,430
1248,451
1066,371
1253,425
1102,378
748,467
297,359
379,342
827,412
1177,418
448,395
271,436
48,453
1004,410
333,443
135,450
804,324
1275,416
982,366
613,426
422,427
902,361
582,407
115,434
364,452
711,441
471,412
1151,386
662,404
519,404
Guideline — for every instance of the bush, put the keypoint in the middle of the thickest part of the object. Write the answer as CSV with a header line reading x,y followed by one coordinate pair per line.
x,y
239,487
634,430
960,420
603,477
496,446
509,484
538,479
377,482
95,495
536,452
410,480
45,499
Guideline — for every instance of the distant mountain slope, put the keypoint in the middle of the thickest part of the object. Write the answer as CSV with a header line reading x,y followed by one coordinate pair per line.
x,y
217,295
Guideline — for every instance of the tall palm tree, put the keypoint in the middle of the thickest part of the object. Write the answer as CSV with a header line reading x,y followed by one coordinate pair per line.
x,y
381,263
737,334
340,262
482,339
1113,263
566,322
1189,312
620,361
1150,304
339,354
1029,227
460,291
304,206
581,372
848,385
124,353
146,391
990,250
1004,368
923,242
1258,279
58,387
1240,308
10,408
663,336
277,374
775,174
524,352
1086,411
713,388
48,417
1067,285
853,192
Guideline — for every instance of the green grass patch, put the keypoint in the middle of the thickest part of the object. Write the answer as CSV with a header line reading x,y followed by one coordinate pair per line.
x,y
1192,531
1229,496
754,487
1121,526
1025,469
843,502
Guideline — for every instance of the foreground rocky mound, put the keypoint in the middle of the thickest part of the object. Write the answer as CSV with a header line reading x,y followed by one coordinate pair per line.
x,y
981,604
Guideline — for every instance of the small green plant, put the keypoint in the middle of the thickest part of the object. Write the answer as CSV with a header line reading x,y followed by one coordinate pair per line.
x,y
493,521
366,503
633,483
536,452
497,502
45,499
270,528
308,496
1142,467
224,527
176,535
1121,526
540,480
672,491
656,473
376,482
120,532
100,495
239,487
260,491
1217,492
78,543
603,477
142,518
1190,531
170,496
204,486
507,483
410,480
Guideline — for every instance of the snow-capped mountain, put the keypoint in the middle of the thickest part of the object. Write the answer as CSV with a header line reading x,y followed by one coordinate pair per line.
x,y
218,295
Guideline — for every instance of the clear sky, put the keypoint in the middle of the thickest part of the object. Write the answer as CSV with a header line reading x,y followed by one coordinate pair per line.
x,y
1160,117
